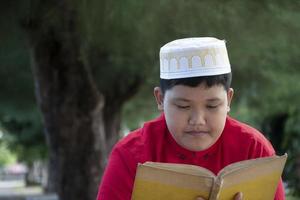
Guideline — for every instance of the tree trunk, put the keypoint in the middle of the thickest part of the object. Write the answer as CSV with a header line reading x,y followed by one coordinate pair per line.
x,y
71,105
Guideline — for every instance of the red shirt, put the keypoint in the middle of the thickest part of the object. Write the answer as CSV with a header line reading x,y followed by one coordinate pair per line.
x,y
153,142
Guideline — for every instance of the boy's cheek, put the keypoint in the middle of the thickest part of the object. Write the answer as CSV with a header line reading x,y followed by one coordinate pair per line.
x,y
176,121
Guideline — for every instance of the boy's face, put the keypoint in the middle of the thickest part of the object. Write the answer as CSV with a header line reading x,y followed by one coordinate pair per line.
x,y
195,116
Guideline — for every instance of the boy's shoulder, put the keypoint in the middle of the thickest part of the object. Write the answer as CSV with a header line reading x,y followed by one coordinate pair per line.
x,y
244,136
237,127
151,133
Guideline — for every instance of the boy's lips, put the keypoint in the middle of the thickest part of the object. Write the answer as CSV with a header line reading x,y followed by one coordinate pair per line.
x,y
197,133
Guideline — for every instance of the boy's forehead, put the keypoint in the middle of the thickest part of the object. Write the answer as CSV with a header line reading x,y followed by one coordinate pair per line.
x,y
192,57
182,92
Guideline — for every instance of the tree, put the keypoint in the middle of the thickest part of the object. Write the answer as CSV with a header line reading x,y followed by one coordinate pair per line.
x,y
81,120
69,101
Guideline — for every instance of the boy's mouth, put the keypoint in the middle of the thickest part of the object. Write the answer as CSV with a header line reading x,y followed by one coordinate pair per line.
x,y
197,133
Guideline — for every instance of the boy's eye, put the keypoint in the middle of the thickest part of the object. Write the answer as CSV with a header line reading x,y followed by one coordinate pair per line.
x,y
183,106
212,106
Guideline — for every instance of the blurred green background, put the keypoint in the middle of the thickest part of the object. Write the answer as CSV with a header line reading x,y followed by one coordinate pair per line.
x,y
119,41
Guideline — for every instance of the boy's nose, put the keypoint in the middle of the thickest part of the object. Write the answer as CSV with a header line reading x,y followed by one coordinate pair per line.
x,y
197,118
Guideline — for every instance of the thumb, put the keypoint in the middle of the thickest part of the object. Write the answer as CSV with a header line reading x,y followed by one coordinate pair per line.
x,y
238,196
200,198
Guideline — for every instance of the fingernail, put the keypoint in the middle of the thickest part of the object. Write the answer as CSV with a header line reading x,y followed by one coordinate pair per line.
x,y
240,196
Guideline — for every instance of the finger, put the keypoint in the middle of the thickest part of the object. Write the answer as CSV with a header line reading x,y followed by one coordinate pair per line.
x,y
200,198
238,196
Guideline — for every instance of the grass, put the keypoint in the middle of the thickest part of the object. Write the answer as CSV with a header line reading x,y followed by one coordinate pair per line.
x,y
292,198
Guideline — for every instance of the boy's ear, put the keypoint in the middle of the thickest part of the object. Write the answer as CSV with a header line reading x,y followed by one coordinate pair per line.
x,y
159,98
229,97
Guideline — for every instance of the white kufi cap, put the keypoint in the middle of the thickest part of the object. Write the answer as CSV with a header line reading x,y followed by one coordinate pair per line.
x,y
192,57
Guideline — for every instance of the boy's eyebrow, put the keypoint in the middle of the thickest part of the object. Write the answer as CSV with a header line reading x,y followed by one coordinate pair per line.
x,y
214,99
187,100
181,99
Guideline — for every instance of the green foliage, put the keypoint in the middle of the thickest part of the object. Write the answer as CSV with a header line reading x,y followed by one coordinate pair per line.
x,y
144,103
291,145
6,156
15,75
18,113
24,136
116,44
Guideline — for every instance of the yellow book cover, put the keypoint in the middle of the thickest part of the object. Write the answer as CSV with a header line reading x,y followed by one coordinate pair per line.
x,y
257,179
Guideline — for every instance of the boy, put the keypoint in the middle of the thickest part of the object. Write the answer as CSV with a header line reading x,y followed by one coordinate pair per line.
x,y
194,97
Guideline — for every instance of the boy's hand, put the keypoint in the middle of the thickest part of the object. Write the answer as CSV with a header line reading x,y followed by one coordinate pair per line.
x,y
238,196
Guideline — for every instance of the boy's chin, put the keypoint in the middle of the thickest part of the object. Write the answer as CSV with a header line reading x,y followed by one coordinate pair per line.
x,y
195,143
201,148
197,147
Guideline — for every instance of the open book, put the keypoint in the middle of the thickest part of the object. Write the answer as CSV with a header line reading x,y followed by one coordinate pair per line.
x,y
257,179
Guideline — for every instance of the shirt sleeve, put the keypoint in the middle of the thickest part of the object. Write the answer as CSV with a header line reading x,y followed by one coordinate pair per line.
x,y
118,178
280,194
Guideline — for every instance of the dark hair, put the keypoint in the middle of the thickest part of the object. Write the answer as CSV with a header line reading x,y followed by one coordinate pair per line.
x,y
209,81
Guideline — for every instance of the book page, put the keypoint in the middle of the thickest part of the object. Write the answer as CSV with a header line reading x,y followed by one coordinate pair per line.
x,y
182,168
246,163
256,179
153,183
